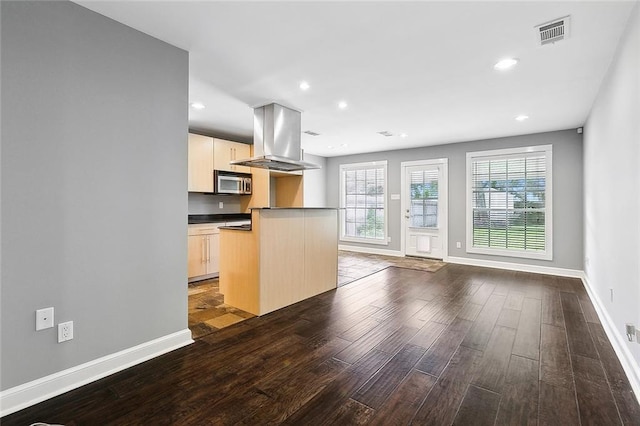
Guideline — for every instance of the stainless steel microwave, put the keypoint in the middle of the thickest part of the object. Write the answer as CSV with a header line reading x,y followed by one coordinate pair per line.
x,y
231,183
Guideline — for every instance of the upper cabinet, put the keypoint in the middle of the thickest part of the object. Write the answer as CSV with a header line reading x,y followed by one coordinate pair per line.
x,y
200,163
270,188
207,154
227,151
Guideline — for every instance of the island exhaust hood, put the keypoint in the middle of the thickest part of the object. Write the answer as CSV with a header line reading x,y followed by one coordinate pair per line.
x,y
276,140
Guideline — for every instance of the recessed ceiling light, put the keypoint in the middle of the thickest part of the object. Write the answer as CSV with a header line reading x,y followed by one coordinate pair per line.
x,y
522,117
197,105
344,145
304,85
403,135
330,147
342,105
505,64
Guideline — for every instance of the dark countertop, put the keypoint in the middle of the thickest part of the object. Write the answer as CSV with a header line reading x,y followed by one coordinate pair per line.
x,y
212,218
294,208
237,227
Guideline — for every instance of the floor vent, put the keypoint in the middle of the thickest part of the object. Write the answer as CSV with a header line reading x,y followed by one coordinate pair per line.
x,y
554,31
385,133
309,132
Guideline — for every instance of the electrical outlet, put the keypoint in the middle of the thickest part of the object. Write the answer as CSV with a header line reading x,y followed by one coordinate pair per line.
x,y
221,204
44,318
631,331
65,331
458,244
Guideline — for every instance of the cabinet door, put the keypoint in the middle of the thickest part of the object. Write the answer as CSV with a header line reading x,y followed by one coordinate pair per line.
x,y
241,151
196,256
213,254
227,151
222,151
200,163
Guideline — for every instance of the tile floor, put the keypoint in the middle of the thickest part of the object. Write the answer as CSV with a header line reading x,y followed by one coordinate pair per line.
x,y
208,312
353,266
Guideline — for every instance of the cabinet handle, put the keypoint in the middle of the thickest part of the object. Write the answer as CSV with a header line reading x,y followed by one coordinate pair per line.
x,y
202,250
208,249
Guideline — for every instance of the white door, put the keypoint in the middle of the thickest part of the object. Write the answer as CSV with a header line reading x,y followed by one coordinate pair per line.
x,y
424,208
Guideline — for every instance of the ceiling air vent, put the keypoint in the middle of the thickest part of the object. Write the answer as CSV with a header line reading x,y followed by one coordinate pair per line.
x,y
385,133
309,132
554,31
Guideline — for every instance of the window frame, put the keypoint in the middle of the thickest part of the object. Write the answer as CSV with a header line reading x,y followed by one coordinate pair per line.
x,y
511,153
343,200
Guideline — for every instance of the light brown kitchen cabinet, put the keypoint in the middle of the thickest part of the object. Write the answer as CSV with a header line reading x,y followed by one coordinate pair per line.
x,y
289,190
274,189
227,151
203,251
201,163
288,255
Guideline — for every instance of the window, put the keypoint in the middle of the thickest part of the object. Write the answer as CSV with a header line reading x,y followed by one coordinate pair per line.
x,y
509,202
363,189
424,198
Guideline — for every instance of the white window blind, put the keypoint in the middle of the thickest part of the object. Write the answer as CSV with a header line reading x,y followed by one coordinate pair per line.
x,y
363,189
510,203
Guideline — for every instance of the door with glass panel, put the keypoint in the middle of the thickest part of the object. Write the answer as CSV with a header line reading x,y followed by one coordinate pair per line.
x,y
424,210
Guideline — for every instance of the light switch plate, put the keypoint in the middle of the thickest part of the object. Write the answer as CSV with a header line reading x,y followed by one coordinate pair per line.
x,y
44,319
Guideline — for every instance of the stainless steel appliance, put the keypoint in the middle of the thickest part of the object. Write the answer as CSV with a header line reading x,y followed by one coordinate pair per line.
x,y
231,183
276,140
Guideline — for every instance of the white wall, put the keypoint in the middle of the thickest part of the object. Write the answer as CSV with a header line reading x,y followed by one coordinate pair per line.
x,y
612,194
93,189
315,182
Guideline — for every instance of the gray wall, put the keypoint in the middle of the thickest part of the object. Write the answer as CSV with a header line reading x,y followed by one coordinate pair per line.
x,y
209,204
612,197
94,176
567,191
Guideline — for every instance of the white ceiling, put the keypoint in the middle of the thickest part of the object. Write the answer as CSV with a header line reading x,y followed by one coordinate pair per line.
x,y
420,68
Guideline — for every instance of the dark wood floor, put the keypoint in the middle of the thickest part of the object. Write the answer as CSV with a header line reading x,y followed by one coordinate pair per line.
x,y
464,346
208,312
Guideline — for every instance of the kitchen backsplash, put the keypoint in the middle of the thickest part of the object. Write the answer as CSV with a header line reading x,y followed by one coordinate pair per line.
x,y
210,204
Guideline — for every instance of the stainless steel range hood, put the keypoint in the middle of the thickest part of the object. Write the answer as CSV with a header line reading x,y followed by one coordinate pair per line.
x,y
276,140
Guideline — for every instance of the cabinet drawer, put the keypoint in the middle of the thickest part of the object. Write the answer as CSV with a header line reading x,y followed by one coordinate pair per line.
x,y
204,229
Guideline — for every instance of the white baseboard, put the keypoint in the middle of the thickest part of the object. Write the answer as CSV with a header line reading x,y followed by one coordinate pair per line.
x,y
618,341
31,393
370,250
547,270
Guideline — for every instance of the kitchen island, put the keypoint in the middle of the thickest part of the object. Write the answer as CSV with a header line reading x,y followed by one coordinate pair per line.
x,y
287,255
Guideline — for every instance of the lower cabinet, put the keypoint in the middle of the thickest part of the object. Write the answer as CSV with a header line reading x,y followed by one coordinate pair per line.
x,y
203,252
